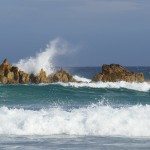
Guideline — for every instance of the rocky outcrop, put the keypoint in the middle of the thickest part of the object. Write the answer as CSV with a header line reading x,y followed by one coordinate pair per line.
x,y
12,75
115,72
62,76
8,73
40,78
59,76
110,73
24,78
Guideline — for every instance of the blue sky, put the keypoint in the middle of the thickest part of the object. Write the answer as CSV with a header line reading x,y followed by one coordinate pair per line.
x,y
102,31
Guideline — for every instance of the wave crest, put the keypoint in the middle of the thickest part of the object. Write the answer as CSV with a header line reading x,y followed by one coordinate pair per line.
x,y
144,86
82,79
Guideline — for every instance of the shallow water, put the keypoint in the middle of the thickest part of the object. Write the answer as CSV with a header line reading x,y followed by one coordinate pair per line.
x,y
73,143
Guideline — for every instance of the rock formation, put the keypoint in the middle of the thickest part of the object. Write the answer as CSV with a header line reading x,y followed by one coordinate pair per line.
x,y
24,78
110,73
12,75
6,73
40,78
115,72
62,76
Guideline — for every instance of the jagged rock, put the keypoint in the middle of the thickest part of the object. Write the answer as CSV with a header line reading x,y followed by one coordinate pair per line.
x,y
115,72
62,76
43,77
5,62
7,76
110,73
12,75
24,77
40,78
4,68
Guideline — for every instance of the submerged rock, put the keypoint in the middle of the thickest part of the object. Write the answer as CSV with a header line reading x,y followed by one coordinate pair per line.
x,y
115,72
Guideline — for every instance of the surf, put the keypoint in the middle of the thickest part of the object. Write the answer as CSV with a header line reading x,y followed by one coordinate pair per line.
x,y
144,86
94,120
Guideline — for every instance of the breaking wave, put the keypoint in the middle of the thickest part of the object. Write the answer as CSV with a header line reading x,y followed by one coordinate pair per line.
x,y
94,120
82,79
144,86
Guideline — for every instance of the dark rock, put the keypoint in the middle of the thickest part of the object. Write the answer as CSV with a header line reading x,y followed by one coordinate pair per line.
x,y
115,72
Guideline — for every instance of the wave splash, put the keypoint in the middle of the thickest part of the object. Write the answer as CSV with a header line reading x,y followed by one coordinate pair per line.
x,y
94,120
44,59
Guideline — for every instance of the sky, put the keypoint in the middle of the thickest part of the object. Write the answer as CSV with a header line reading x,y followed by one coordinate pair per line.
x,y
99,31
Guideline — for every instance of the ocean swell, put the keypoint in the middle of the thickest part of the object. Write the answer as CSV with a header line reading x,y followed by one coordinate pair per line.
x,y
93,120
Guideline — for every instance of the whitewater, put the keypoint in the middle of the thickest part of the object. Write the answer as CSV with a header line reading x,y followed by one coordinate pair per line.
x,y
93,120
145,87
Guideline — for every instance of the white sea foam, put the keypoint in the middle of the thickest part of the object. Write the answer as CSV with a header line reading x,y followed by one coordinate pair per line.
x,y
44,59
93,120
82,79
145,86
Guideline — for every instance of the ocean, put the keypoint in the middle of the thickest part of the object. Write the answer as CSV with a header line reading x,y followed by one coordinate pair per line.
x,y
76,116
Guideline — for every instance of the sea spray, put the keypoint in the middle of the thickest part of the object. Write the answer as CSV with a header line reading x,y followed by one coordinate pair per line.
x,y
93,120
45,58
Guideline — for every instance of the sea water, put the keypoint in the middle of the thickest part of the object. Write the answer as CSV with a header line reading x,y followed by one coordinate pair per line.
x,y
76,115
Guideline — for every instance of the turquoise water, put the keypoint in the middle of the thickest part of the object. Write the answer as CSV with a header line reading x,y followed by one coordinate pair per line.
x,y
53,95
76,115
